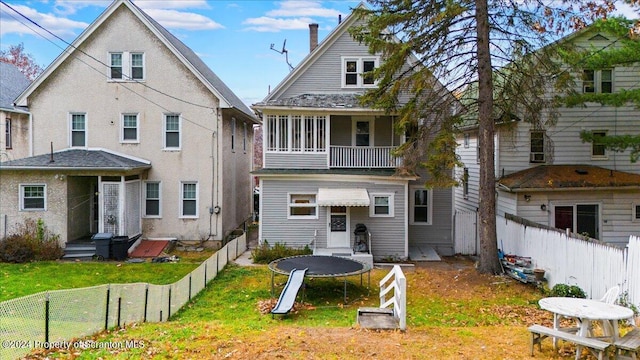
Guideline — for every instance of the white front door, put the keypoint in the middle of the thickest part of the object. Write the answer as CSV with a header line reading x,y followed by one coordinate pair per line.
x,y
338,234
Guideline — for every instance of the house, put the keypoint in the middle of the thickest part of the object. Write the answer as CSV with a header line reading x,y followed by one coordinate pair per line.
x,y
15,120
130,133
548,175
328,166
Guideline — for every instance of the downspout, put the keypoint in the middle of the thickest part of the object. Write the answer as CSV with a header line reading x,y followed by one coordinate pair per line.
x,y
215,175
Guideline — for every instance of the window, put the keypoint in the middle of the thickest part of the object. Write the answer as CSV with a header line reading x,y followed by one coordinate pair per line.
x,y
467,138
537,147
189,200
115,64
363,133
381,205
233,134
635,213
302,206
126,65
465,183
357,72
597,81
598,149
130,128
152,199
33,197
307,133
421,206
582,219
7,131
78,130
171,131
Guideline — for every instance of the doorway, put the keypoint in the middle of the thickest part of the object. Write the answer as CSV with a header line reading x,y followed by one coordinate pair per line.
x,y
338,236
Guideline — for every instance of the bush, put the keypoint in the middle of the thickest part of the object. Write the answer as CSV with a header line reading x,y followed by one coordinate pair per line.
x,y
564,290
31,241
265,253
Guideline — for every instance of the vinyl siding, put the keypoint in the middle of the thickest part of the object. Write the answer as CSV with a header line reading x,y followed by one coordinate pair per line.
x,y
468,156
439,233
296,160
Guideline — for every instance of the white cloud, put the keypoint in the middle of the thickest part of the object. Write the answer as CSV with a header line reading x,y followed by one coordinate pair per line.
x,y
13,23
70,7
269,24
627,11
173,19
297,8
172,4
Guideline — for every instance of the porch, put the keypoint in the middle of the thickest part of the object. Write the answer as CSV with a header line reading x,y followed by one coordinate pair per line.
x,y
363,157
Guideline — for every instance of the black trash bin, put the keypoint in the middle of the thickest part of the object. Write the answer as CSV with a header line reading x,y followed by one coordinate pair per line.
x,y
103,245
120,247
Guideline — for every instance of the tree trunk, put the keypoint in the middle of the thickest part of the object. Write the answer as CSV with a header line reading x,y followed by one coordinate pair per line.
x,y
489,263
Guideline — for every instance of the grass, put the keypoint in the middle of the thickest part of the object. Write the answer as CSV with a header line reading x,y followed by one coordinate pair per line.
x,y
57,275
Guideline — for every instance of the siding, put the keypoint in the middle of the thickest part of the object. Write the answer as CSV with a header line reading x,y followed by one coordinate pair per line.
x,y
440,233
468,156
296,160
388,234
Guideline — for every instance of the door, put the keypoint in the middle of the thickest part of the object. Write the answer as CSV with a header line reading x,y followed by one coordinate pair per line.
x,y
111,208
338,236
564,217
581,219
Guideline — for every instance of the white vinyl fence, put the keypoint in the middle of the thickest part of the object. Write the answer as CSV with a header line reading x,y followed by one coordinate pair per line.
x,y
33,321
593,266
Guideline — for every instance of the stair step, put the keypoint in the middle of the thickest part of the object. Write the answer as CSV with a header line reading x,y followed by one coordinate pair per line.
x,y
78,255
80,248
375,310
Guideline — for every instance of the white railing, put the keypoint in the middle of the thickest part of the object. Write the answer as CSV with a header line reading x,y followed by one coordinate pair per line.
x,y
363,157
395,281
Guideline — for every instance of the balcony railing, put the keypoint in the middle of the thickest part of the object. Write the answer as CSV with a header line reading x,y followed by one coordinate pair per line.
x,y
363,157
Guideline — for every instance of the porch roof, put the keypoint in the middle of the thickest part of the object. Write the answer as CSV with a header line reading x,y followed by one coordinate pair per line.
x,y
77,159
334,101
343,197
565,177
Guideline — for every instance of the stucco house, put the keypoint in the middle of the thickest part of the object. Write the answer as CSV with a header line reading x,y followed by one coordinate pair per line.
x,y
328,164
130,133
550,176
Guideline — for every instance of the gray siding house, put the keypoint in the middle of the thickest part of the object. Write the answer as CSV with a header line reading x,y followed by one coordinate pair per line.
x,y
130,133
327,163
550,176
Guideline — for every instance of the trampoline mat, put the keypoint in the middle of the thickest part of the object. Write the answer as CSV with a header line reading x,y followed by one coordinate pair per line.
x,y
319,265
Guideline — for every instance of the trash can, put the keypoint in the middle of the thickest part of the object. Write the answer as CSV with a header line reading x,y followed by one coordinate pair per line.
x,y
103,244
120,247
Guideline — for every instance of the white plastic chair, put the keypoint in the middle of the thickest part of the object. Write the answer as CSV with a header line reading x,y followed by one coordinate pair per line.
x,y
611,295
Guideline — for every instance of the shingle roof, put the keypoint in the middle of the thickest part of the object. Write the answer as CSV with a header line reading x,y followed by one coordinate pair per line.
x,y
76,159
554,177
341,101
12,83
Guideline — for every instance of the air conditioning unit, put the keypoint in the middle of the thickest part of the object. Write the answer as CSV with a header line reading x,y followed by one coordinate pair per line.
x,y
536,157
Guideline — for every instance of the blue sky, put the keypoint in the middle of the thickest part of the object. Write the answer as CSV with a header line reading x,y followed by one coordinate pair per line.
x,y
232,37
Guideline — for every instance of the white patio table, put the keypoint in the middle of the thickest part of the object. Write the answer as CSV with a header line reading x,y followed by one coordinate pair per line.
x,y
586,311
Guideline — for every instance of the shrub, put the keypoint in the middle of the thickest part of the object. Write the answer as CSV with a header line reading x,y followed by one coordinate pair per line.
x,y
265,253
564,290
31,241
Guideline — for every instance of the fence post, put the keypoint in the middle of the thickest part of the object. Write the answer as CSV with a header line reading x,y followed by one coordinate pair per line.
x,y
189,286
146,301
46,317
169,309
106,315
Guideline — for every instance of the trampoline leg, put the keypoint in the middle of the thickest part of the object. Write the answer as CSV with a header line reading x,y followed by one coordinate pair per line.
x,y
272,275
345,290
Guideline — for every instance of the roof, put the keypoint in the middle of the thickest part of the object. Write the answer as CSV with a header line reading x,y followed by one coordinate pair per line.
x,y
227,98
77,159
565,177
12,83
338,101
343,197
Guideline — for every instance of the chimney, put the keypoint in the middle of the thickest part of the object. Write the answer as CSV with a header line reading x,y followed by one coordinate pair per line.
x,y
313,37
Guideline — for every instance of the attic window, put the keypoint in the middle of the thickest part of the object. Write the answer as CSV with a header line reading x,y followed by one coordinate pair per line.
x,y
356,71
598,37
126,65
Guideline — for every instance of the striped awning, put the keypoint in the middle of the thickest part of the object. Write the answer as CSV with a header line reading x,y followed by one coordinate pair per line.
x,y
343,197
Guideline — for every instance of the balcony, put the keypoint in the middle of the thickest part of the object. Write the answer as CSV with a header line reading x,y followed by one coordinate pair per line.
x,y
363,157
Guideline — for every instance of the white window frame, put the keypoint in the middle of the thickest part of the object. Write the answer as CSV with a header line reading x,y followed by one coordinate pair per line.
x,y
182,199
412,206
313,205
593,144
159,199
354,126
7,132
372,206
635,212
536,156
85,131
165,131
274,132
126,67
359,71
122,128
22,197
597,82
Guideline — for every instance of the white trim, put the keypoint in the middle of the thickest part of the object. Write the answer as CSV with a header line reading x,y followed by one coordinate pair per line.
x,y
70,129
347,214
164,132
122,128
354,125
181,214
574,205
144,199
21,195
391,206
412,205
359,60
309,205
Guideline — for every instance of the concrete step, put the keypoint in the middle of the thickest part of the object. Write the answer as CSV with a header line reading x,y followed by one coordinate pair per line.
x,y
377,318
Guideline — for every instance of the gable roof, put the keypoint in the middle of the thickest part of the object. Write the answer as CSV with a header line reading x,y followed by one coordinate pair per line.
x,y
77,159
12,83
187,56
568,177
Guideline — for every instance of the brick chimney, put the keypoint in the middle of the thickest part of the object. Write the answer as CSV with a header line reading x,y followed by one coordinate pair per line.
x,y
313,37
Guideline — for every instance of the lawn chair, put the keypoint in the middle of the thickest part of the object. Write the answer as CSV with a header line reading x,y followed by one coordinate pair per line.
x,y
611,295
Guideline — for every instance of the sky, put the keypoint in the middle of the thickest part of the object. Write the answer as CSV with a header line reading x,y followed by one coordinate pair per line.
x,y
233,38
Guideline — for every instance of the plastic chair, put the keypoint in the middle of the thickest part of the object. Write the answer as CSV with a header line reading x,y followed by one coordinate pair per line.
x,y
611,295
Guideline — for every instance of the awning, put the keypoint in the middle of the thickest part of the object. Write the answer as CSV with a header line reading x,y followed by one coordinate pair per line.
x,y
343,197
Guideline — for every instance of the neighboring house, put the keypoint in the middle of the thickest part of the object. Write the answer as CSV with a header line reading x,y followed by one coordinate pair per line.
x,y
14,121
328,165
130,133
550,176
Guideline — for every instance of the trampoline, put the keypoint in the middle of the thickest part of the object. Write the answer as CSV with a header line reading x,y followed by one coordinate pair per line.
x,y
320,266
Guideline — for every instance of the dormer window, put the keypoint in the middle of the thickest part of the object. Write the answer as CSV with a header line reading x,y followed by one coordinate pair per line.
x,y
356,71
126,66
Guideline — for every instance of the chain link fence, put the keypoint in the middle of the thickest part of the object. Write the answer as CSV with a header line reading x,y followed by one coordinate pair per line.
x,y
41,319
